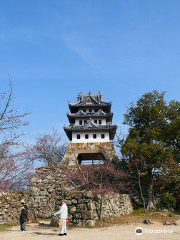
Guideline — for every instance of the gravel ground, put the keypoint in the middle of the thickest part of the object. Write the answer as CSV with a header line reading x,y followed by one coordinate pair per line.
x,y
116,232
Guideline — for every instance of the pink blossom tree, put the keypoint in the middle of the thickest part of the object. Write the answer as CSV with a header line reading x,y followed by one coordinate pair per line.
x,y
100,179
49,149
13,168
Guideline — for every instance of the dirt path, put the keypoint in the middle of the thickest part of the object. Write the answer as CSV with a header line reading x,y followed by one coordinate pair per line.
x,y
124,232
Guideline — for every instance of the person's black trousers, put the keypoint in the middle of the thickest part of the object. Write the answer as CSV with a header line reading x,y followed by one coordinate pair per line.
x,y
23,226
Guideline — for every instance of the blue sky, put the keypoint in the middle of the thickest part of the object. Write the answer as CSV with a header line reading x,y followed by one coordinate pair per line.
x,y
54,49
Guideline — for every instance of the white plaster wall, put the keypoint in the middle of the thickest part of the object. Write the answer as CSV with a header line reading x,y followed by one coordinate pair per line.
x,y
91,139
87,110
103,120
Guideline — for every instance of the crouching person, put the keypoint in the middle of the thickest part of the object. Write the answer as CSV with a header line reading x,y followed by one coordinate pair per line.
x,y
62,214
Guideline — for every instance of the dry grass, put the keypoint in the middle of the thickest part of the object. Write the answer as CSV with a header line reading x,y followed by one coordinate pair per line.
x,y
4,227
138,217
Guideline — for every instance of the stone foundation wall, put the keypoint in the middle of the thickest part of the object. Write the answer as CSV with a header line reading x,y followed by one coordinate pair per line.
x,y
84,208
10,206
45,186
73,149
40,197
113,204
48,187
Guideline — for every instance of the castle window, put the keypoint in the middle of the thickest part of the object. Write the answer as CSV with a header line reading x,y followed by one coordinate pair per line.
x,y
94,136
84,110
80,122
95,121
102,135
96,110
90,110
86,136
100,121
78,136
85,121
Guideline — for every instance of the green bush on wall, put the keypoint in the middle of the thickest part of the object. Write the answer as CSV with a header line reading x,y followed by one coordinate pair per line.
x,y
166,201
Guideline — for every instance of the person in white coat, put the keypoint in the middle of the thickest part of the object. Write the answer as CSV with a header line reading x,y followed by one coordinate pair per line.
x,y
62,214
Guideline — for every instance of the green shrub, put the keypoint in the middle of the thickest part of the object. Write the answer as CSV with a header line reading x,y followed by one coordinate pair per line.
x,y
166,201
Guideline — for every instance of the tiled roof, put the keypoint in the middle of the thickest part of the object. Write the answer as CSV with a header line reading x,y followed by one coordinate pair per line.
x,y
81,113
90,125
89,100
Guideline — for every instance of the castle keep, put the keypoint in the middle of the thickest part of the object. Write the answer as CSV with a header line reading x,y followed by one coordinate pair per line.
x,y
91,131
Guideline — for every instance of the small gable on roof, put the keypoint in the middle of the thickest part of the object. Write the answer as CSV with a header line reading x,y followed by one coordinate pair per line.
x,y
89,100
80,113
100,113
90,124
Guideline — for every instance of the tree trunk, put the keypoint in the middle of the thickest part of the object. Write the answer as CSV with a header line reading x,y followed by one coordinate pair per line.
x,y
101,207
150,205
140,189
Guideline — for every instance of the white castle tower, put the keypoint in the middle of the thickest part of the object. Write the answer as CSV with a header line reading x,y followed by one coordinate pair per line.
x,y
91,130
